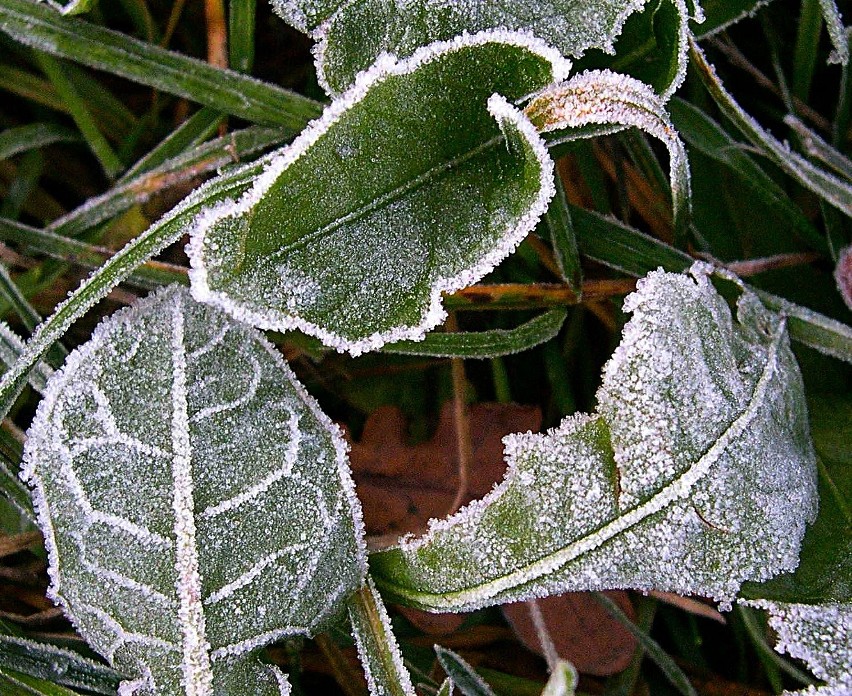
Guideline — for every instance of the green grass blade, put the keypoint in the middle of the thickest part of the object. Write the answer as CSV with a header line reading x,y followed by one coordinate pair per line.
x,y
820,150
822,183
11,347
241,21
63,667
653,650
33,136
485,344
164,232
202,159
564,241
80,113
191,133
23,185
149,276
709,138
231,92
17,684
805,52
462,674
10,292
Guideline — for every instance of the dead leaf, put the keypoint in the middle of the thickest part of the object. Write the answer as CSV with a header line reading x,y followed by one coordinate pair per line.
x,y
402,486
581,629
693,606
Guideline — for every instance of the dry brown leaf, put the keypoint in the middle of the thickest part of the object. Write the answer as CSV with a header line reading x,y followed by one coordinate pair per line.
x,y
402,486
581,629
693,606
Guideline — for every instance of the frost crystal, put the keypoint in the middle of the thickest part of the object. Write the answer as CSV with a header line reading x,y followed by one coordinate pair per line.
x,y
696,473
353,33
196,503
819,634
416,182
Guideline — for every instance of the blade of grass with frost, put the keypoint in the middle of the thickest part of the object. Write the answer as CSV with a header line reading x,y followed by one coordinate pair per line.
x,y
824,184
820,150
231,92
696,473
461,674
443,179
165,231
603,97
172,437
34,136
57,665
352,35
564,241
71,7
563,680
836,31
707,136
11,347
377,647
446,688
818,634
485,344
16,684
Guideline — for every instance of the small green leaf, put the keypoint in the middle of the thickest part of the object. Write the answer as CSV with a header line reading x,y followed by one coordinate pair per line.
x,y
462,674
377,647
352,35
172,439
697,472
415,183
604,98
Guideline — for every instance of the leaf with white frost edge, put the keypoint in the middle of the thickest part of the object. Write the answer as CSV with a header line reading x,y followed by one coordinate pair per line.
x,y
377,647
416,182
696,473
819,634
173,438
604,98
352,34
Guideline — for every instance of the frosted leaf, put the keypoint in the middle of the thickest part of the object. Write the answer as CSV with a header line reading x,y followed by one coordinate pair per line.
x,y
353,33
696,473
70,7
601,97
418,181
819,634
377,647
196,503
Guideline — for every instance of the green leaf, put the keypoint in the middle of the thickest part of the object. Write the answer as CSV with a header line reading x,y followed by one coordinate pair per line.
x,y
353,34
60,666
71,7
462,674
170,440
819,634
601,97
377,647
46,30
485,344
830,188
415,183
696,473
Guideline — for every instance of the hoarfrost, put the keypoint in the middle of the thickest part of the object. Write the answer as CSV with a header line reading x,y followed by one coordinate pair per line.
x,y
195,501
403,190
819,634
352,33
696,473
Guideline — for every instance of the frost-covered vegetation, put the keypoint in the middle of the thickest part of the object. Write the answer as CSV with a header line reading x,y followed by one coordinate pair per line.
x,y
457,202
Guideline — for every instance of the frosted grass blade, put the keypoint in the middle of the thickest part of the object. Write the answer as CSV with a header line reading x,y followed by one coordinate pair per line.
x,y
695,474
461,674
11,347
172,437
33,136
832,189
416,182
602,97
46,30
377,647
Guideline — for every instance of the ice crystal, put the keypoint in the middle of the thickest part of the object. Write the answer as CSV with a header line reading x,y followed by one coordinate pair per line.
x,y
696,473
196,503
819,634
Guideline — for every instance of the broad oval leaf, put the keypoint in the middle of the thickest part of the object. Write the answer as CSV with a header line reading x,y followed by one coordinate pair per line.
x,y
417,181
352,34
696,473
195,501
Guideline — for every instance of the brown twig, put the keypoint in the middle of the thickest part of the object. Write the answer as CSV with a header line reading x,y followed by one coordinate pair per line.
x,y
464,447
